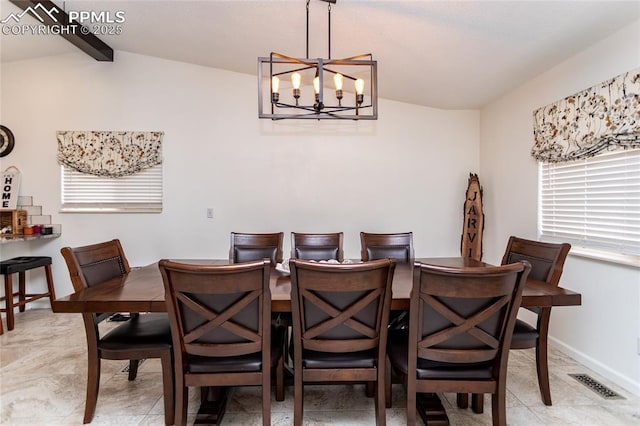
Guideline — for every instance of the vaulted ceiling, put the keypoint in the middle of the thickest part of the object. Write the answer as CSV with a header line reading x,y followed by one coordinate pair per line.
x,y
443,54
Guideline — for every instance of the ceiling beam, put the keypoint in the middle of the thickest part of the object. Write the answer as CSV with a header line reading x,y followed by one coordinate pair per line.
x,y
54,16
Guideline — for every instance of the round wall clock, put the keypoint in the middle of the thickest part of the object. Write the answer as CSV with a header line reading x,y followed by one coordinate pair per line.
x,y
6,141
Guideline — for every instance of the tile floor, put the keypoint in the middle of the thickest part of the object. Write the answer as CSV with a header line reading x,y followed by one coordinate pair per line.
x,y
43,370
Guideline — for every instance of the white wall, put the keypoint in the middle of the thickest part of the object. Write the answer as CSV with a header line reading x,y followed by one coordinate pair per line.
x,y
406,171
603,333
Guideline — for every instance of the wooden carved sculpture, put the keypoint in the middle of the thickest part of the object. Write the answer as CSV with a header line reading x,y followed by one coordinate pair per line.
x,y
473,220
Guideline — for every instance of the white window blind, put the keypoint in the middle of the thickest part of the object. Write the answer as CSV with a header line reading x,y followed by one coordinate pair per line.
x,y
138,193
593,203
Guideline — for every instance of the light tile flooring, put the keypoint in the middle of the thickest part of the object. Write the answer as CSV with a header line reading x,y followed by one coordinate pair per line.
x,y
43,371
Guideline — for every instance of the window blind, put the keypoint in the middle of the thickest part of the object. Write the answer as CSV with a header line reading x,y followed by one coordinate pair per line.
x,y
593,203
138,193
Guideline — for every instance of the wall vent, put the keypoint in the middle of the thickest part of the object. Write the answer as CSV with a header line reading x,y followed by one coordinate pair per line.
x,y
596,386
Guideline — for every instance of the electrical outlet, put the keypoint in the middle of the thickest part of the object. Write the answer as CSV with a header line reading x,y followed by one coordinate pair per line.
x,y
209,213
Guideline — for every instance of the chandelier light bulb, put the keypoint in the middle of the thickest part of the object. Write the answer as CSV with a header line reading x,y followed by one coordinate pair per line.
x,y
296,79
316,85
338,80
359,86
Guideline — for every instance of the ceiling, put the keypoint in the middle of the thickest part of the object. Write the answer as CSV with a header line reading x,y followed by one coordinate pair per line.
x,y
443,54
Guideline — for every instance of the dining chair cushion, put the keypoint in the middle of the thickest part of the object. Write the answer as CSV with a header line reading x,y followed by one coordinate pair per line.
x,y
398,349
399,253
248,254
360,359
240,363
143,331
317,252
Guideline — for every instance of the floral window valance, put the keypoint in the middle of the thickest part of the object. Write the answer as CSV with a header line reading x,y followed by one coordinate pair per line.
x,y
112,154
605,117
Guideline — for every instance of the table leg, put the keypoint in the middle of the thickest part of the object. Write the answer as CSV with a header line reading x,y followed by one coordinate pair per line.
x,y
431,410
212,406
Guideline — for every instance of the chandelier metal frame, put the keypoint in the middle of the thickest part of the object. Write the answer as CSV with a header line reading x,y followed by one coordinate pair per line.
x,y
362,105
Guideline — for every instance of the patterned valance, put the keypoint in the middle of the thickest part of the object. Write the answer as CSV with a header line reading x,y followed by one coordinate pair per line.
x,y
605,117
113,154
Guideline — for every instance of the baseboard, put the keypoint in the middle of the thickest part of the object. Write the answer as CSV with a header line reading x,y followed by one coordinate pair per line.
x,y
604,370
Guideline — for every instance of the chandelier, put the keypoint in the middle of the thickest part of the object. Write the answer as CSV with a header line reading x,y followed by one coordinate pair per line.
x,y
310,88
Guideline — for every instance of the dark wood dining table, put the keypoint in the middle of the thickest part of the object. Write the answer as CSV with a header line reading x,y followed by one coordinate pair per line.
x,y
142,290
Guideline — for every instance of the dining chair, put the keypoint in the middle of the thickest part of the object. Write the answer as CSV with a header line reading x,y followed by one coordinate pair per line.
x,y
324,246
220,319
246,247
547,262
143,336
460,328
398,246
340,313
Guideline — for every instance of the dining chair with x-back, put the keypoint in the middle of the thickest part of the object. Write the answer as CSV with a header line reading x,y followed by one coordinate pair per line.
x,y
547,262
317,246
246,247
460,329
397,246
340,314
222,332
143,336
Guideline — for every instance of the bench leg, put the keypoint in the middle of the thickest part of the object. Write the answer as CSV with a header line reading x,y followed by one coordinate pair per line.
x,y
8,301
22,290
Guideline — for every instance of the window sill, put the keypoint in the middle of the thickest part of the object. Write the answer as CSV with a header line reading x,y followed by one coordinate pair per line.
x,y
111,210
621,259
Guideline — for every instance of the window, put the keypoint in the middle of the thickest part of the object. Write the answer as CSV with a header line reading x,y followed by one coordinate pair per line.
x,y
594,204
137,193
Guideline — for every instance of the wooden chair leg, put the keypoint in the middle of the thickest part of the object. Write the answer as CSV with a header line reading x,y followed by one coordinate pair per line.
x,y
462,400
133,369
542,367
381,403
22,290
93,384
388,383
298,397
280,379
1,327
8,301
370,389
477,403
50,286
266,396
182,399
166,359
411,401
498,406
